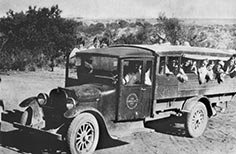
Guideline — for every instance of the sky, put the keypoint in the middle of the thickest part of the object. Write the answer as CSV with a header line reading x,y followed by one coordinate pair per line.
x,y
107,9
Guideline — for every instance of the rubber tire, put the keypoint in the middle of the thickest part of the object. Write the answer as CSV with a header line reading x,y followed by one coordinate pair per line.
x,y
26,117
76,125
199,107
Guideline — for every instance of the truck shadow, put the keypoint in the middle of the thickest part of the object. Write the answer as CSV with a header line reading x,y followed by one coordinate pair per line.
x,y
25,142
30,142
173,125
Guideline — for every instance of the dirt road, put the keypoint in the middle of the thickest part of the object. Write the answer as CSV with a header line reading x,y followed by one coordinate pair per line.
x,y
165,136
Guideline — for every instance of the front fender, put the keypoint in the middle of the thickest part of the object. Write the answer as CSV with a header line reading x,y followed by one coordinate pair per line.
x,y
33,115
27,102
77,110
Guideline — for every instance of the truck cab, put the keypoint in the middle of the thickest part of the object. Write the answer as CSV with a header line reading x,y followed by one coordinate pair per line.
x,y
125,77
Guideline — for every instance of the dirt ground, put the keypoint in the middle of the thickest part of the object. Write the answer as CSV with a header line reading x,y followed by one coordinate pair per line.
x,y
165,136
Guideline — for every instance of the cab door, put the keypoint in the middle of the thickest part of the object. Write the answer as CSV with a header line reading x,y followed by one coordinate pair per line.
x,y
135,90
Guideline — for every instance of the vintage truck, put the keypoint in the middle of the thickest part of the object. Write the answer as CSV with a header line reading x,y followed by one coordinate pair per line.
x,y
97,96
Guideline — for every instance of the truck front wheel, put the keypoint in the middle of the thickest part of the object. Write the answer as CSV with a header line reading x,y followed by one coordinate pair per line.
x,y
83,134
197,120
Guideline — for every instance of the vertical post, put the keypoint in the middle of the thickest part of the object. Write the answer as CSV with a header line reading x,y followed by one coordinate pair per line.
x,y
67,69
1,111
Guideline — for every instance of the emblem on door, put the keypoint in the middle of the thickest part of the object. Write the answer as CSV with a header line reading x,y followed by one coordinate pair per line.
x,y
132,101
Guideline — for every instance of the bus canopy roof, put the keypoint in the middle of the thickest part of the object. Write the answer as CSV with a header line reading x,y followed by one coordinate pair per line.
x,y
197,53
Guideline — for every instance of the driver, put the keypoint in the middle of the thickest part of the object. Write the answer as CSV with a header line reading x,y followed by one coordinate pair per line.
x,y
133,75
85,67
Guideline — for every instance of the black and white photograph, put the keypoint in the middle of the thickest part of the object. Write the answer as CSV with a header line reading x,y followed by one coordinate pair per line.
x,y
118,76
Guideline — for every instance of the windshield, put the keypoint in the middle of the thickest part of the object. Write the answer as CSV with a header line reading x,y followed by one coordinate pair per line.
x,y
96,66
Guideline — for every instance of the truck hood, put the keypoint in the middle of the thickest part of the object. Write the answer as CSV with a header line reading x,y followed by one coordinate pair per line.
x,y
89,92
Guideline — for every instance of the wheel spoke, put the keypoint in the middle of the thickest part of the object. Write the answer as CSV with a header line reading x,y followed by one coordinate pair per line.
x,y
198,118
89,136
78,145
84,146
78,137
89,141
82,127
86,127
90,130
79,132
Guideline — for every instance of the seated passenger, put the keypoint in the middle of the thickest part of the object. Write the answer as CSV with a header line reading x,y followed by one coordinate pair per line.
x,y
182,77
187,66
230,68
148,75
210,72
174,67
180,74
85,67
167,70
206,72
202,72
219,71
194,67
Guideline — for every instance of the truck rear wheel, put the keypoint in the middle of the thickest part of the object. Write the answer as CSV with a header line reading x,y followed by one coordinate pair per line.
x,y
197,120
83,134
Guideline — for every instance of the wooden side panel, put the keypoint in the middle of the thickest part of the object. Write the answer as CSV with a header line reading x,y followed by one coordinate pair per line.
x,y
213,87
168,87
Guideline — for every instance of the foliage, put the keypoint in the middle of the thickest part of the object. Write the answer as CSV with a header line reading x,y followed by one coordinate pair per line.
x,y
34,34
32,38
123,23
172,28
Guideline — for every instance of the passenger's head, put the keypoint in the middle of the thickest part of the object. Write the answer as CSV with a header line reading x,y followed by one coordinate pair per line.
x,y
103,45
221,63
175,63
96,42
231,61
188,62
205,62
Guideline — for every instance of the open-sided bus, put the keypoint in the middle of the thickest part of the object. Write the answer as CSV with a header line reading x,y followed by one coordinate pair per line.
x,y
110,86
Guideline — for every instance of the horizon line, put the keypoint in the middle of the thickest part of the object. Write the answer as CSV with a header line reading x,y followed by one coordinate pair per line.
x,y
146,18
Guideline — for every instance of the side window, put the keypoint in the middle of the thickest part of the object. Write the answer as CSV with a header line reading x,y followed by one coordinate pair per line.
x,y
189,65
132,70
169,66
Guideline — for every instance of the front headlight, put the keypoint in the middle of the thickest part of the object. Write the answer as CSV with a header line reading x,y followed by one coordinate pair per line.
x,y
70,103
42,98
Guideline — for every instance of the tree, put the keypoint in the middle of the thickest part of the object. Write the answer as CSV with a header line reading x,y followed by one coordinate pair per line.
x,y
123,23
172,28
35,32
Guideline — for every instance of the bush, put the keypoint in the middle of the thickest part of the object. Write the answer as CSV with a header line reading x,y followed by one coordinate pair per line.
x,y
32,33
